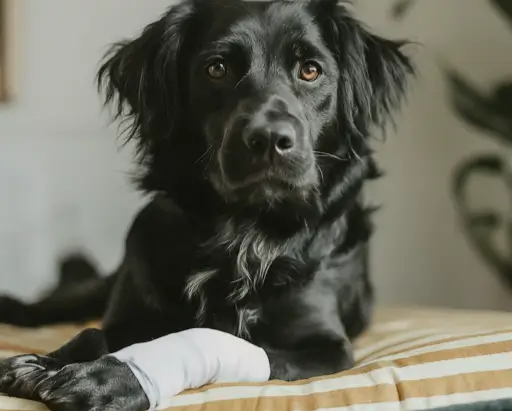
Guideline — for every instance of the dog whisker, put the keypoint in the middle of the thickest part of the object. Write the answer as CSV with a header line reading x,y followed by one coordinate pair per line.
x,y
212,153
329,155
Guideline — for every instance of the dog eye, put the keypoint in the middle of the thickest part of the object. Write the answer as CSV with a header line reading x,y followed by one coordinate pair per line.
x,y
310,71
217,69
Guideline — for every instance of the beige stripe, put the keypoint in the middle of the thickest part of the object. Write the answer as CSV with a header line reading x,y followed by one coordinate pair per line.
x,y
421,314
378,394
405,347
19,348
450,345
453,338
454,353
374,350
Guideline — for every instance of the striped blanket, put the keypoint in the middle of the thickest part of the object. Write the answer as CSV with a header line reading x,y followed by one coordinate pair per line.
x,y
410,359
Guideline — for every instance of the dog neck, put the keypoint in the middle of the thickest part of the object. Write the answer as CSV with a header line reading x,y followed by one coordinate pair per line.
x,y
247,248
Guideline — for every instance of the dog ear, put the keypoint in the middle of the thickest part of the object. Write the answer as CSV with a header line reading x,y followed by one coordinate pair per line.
x,y
140,79
374,71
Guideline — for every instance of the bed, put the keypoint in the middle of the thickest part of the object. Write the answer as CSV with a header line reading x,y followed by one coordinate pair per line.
x,y
412,358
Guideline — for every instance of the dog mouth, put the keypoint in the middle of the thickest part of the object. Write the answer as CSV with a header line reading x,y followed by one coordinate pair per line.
x,y
267,184
271,172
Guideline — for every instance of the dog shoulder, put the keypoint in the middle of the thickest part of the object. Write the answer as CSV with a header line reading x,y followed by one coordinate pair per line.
x,y
159,218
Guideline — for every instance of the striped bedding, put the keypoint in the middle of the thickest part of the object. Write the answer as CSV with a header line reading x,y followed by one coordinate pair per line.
x,y
411,359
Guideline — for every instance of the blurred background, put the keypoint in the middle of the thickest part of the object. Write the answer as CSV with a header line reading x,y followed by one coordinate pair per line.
x,y
441,239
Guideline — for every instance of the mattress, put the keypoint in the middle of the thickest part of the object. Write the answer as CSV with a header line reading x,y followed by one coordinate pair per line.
x,y
412,358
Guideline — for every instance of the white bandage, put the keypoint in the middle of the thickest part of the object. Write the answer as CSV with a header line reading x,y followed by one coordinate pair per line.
x,y
193,358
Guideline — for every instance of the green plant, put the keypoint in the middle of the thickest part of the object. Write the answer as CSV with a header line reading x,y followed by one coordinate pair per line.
x,y
491,113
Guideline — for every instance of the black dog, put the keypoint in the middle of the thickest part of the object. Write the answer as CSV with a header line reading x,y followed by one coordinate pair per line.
x,y
252,122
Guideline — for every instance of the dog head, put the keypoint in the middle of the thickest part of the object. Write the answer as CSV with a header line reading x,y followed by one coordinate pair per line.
x,y
249,98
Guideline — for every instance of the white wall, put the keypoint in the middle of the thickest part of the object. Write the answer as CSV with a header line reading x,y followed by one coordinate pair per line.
x,y
64,182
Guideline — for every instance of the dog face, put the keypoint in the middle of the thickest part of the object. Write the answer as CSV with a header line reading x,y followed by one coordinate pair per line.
x,y
251,95
263,87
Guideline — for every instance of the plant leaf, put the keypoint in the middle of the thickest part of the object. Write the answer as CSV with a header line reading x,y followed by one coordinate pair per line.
x,y
476,108
502,100
482,164
504,7
480,226
485,220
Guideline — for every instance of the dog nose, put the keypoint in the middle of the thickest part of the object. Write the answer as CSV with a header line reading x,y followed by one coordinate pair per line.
x,y
279,137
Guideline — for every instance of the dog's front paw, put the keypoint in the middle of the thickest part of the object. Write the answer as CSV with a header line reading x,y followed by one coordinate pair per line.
x,y
21,375
103,384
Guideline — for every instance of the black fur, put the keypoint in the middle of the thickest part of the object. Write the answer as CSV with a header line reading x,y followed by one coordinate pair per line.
x,y
268,244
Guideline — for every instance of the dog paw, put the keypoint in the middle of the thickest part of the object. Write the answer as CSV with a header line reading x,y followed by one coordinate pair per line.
x,y
103,384
106,383
20,375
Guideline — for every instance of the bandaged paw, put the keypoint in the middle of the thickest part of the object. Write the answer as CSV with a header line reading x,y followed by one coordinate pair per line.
x,y
193,358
